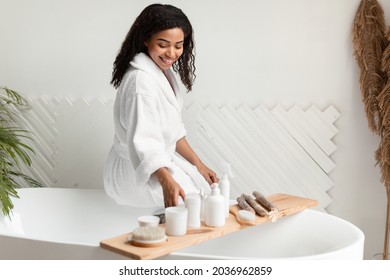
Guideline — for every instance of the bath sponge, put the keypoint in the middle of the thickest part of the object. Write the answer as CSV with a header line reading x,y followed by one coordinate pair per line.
x,y
148,236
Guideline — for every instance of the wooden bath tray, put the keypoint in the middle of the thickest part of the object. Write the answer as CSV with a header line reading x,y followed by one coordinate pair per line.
x,y
287,205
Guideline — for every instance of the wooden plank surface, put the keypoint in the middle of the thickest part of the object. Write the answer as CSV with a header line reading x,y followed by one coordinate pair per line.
x,y
286,204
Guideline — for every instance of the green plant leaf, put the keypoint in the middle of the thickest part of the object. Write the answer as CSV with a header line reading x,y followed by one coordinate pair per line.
x,y
14,152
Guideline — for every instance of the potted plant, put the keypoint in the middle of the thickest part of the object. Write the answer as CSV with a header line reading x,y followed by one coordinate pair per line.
x,y
13,152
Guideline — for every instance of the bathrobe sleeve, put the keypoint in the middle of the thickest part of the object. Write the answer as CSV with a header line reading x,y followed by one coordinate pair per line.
x,y
183,131
145,138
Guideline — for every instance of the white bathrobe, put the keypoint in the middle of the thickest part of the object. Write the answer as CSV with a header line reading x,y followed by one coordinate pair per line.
x,y
147,119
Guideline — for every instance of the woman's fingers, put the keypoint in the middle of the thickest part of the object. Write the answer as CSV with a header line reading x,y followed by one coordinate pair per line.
x,y
171,193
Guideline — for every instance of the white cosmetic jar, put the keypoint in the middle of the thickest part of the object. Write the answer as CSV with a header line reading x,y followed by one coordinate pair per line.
x,y
176,220
148,221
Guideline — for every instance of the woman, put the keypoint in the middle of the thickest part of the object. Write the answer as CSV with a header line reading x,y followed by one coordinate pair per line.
x,y
143,167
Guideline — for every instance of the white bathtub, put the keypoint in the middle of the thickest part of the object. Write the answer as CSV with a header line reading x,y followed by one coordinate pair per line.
x,y
54,223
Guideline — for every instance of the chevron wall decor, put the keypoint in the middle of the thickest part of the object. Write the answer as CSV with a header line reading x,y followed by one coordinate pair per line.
x,y
72,138
270,149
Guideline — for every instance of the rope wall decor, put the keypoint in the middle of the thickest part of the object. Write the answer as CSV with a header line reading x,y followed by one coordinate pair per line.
x,y
372,53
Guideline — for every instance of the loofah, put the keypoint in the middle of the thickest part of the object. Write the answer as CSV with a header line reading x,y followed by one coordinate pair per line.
x,y
256,206
268,205
244,205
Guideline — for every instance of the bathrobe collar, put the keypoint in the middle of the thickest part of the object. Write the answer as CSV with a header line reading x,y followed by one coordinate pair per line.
x,y
172,92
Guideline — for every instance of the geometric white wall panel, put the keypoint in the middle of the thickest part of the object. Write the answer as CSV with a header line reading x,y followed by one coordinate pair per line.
x,y
85,135
270,149
40,121
71,140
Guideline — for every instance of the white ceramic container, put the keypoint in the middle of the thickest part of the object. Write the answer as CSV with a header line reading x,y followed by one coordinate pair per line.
x,y
176,220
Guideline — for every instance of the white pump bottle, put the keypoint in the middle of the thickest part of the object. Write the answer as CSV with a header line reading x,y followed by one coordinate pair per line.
x,y
214,210
224,185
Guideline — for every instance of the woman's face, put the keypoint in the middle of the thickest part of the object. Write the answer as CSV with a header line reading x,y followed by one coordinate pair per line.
x,y
165,47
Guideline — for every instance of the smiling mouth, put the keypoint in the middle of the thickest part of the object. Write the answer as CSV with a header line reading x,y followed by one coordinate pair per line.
x,y
167,61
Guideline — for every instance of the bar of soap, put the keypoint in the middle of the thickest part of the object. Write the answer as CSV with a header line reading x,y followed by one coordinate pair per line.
x,y
246,216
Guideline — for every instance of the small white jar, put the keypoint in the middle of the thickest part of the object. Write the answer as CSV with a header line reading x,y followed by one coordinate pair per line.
x,y
148,221
176,220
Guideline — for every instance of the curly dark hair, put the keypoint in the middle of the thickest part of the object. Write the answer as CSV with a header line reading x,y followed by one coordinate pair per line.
x,y
153,19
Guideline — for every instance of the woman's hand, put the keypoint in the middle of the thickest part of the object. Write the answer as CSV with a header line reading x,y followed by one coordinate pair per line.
x,y
171,189
184,149
208,174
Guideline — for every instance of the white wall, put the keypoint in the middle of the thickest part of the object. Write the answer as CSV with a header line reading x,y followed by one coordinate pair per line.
x,y
257,52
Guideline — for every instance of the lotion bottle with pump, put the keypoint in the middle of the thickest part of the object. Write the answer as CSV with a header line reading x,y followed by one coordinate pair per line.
x,y
214,211
224,185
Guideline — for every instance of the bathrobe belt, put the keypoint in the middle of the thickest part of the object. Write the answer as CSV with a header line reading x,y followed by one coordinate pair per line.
x,y
121,149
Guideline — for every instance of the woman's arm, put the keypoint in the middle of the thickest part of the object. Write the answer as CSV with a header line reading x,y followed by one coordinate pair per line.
x,y
184,149
171,189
